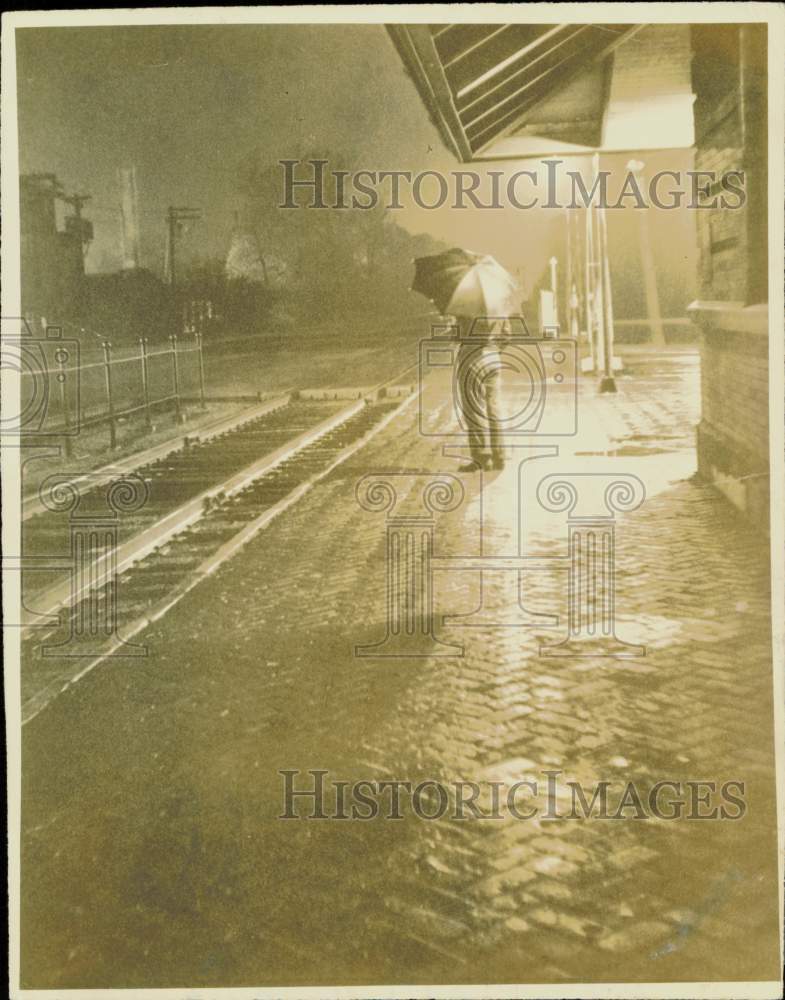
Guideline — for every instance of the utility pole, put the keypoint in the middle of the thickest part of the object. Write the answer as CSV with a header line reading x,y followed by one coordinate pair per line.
x,y
81,227
76,201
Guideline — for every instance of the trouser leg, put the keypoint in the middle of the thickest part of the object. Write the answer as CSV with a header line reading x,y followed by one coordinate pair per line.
x,y
477,444
494,414
471,400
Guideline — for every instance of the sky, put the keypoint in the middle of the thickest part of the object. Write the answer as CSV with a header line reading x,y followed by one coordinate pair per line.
x,y
189,105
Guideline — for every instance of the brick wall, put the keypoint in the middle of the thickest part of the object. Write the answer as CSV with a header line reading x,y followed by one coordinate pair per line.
x,y
734,400
733,435
722,232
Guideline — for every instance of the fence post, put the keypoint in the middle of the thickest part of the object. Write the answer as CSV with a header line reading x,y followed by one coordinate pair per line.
x,y
145,382
178,416
62,357
110,401
198,337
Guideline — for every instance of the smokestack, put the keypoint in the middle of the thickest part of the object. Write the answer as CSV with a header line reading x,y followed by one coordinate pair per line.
x,y
129,209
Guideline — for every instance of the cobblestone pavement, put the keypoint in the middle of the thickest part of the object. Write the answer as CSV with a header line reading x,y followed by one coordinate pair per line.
x,y
152,854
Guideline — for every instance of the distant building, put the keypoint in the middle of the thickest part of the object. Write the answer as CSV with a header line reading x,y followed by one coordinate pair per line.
x,y
729,74
52,259
129,211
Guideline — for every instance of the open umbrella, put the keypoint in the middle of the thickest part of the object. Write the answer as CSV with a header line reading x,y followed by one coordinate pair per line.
x,y
462,283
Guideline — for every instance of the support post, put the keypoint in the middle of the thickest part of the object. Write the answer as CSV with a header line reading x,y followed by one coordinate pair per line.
x,y
588,274
598,297
607,382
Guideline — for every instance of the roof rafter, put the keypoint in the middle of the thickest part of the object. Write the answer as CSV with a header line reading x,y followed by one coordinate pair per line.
x,y
524,69
419,55
563,82
480,83
476,45
501,66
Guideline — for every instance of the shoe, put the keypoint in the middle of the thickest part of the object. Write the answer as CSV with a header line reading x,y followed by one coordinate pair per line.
x,y
470,467
497,463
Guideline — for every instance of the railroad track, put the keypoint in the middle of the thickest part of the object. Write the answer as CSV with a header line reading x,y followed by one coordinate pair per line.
x,y
192,530
32,504
182,472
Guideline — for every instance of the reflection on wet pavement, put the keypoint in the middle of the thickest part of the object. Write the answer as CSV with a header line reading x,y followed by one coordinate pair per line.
x,y
151,791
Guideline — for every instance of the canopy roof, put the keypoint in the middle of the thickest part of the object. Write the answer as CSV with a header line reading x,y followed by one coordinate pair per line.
x,y
509,90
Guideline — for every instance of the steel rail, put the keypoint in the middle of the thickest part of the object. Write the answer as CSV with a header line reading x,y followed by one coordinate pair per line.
x,y
61,594
33,706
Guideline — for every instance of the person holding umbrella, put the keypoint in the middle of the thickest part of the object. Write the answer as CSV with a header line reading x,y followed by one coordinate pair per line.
x,y
479,293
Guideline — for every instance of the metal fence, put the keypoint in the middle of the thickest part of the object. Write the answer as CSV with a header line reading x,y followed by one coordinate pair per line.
x,y
93,385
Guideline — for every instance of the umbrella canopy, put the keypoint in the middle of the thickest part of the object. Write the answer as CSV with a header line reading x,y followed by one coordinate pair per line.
x,y
462,283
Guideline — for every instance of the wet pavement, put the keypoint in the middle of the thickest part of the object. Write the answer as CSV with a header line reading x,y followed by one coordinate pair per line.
x,y
153,854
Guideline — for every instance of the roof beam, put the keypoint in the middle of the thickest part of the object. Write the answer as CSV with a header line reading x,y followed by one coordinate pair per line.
x,y
416,48
478,44
510,60
463,108
537,79
470,122
565,80
581,151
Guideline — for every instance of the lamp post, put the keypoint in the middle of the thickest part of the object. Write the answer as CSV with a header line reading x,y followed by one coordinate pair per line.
x,y
607,381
